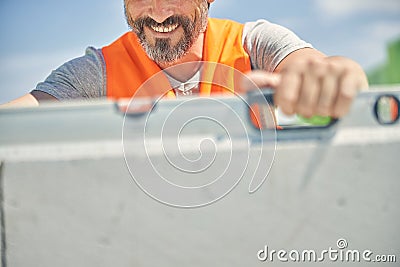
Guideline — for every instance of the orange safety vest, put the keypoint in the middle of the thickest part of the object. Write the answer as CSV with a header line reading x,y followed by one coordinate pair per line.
x,y
128,67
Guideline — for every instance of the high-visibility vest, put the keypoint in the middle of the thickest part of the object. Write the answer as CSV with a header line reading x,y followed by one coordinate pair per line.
x,y
128,67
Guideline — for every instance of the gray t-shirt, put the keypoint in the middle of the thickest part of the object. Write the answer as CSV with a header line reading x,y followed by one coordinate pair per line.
x,y
85,77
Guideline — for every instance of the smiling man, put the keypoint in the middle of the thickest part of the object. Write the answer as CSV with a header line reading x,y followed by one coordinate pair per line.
x,y
166,36
167,33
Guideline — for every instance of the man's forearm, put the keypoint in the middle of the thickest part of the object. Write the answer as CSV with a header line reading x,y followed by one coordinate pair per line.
x,y
24,101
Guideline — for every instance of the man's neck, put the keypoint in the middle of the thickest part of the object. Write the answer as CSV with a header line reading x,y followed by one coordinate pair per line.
x,y
185,72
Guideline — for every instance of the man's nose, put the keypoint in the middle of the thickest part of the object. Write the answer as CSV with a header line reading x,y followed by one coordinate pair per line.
x,y
160,10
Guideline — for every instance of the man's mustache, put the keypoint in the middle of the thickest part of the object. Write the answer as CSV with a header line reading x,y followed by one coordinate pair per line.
x,y
173,20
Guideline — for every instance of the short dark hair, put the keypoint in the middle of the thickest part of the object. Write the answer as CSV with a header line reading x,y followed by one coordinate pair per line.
x,y
208,5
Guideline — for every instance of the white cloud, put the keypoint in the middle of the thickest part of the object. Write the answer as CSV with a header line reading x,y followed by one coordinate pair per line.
x,y
374,23
384,30
370,46
341,8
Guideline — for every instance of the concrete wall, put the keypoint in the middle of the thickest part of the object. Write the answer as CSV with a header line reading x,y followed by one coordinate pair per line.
x,y
73,202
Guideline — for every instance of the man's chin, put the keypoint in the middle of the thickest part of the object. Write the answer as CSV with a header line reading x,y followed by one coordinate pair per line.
x,y
165,58
163,52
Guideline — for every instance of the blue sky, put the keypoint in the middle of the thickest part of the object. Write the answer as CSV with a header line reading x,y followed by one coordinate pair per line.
x,y
38,36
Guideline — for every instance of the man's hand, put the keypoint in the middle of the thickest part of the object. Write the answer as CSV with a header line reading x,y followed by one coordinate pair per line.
x,y
309,83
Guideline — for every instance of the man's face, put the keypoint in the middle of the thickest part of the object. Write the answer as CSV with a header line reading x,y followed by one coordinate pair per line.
x,y
166,28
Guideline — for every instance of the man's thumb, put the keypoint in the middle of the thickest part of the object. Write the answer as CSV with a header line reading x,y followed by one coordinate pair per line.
x,y
259,79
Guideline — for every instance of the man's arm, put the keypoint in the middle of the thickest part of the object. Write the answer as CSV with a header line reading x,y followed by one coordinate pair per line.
x,y
306,81
309,83
27,100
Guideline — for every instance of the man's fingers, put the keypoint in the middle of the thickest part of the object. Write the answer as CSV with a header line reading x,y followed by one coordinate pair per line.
x,y
310,89
327,97
260,79
330,85
347,91
288,91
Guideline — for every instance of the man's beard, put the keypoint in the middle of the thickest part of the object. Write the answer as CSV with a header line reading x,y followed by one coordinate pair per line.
x,y
163,51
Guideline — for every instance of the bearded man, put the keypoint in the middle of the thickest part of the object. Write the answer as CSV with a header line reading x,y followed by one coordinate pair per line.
x,y
166,34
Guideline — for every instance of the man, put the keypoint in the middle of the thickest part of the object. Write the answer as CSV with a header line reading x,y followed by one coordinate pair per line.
x,y
168,33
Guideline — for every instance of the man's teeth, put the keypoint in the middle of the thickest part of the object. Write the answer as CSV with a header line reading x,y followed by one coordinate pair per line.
x,y
164,28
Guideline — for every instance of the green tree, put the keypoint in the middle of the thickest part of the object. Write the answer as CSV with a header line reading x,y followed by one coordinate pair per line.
x,y
389,73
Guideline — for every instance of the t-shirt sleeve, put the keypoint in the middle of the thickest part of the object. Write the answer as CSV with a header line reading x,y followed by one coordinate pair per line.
x,y
268,44
80,78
